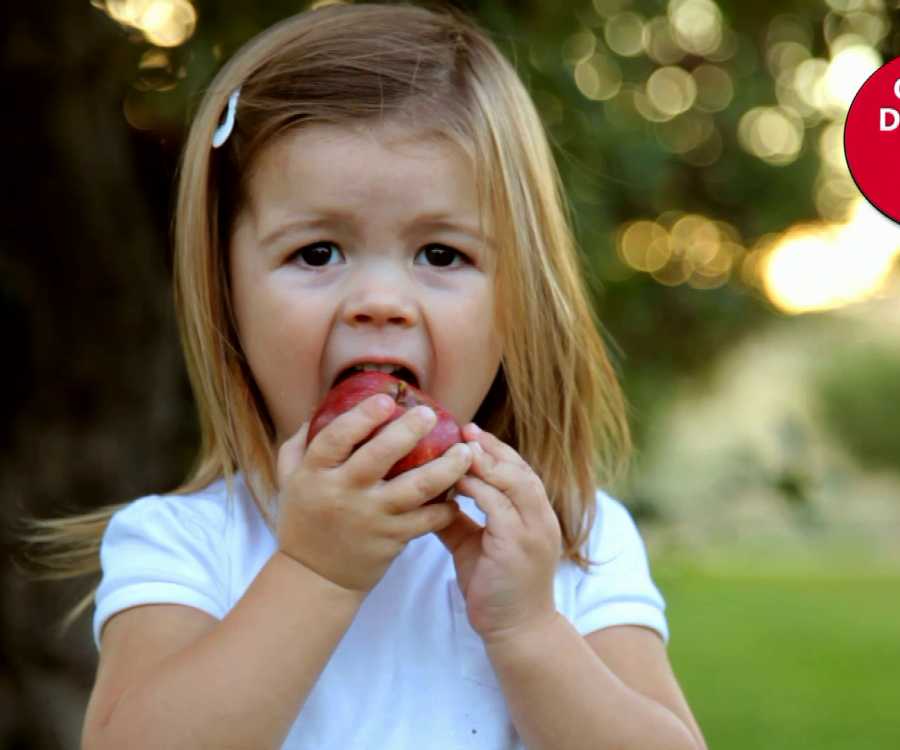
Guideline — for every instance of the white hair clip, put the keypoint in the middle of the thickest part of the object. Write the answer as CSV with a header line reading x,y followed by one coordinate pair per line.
x,y
224,130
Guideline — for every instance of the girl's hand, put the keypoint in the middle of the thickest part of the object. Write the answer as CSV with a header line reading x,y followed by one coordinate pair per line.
x,y
336,513
505,569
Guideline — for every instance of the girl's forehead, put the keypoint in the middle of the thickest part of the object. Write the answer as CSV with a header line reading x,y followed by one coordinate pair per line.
x,y
307,142
324,162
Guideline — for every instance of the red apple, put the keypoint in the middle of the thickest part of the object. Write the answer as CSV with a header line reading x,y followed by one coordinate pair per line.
x,y
348,393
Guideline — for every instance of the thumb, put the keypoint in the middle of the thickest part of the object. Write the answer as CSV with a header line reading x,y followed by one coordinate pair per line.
x,y
291,452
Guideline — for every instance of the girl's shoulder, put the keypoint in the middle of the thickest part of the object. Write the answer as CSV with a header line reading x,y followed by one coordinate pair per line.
x,y
208,509
613,526
172,548
617,588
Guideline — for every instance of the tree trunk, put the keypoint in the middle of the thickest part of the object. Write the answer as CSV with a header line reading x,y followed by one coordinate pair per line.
x,y
94,405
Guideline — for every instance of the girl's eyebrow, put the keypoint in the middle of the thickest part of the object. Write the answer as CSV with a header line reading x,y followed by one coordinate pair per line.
x,y
436,221
325,221
444,222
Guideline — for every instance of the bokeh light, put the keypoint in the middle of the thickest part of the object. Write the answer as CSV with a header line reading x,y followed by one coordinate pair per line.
x,y
849,69
672,90
834,190
578,47
784,57
659,41
624,33
714,88
834,193
871,27
679,247
156,71
831,147
774,134
598,77
697,25
808,266
165,23
609,8
809,83
847,6
821,266
644,245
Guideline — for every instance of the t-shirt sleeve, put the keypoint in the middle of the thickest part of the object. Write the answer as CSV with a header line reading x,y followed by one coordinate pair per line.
x,y
163,550
620,590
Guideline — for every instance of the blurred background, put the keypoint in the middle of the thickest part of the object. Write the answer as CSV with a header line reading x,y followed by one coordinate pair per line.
x,y
750,295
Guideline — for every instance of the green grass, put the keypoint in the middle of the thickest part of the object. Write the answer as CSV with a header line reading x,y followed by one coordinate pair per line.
x,y
787,663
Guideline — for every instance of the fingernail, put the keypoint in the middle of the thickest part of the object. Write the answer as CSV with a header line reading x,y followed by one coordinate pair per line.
x,y
427,413
462,449
476,429
477,446
384,401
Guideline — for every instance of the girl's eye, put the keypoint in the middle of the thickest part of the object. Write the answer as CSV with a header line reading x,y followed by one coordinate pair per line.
x,y
441,255
316,254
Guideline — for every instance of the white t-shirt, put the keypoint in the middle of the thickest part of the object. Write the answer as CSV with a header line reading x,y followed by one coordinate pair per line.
x,y
410,671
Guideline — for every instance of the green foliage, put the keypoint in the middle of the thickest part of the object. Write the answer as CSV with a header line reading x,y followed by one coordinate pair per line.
x,y
858,390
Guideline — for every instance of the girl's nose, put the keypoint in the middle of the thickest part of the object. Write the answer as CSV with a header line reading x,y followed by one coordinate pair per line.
x,y
381,298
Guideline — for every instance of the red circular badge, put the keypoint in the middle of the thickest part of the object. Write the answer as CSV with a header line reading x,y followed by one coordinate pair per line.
x,y
872,139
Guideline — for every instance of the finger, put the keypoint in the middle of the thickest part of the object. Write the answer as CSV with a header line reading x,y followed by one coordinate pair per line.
x,y
290,454
412,488
517,481
494,446
375,459
424,520
501,474
498,509
333,445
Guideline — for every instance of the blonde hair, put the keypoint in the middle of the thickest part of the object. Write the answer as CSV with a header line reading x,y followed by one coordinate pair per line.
x,y
555,400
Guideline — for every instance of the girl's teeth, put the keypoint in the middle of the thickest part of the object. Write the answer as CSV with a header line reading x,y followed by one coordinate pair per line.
x,y
384,368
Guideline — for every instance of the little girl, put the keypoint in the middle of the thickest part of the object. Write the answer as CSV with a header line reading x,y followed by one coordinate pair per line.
x,y
372,184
